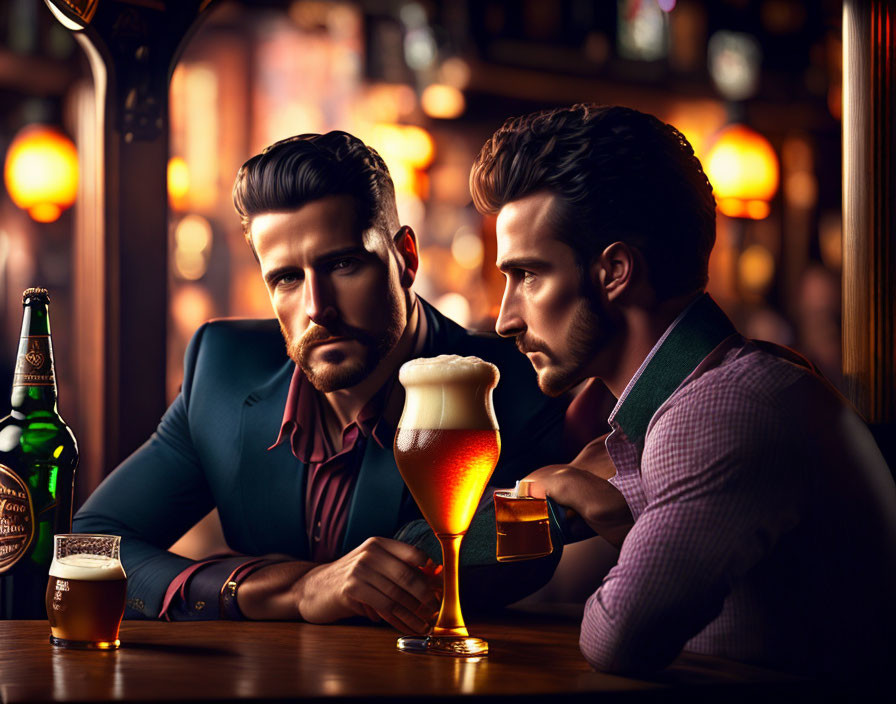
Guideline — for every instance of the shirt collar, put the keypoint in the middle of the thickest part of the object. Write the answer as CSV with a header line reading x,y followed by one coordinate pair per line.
x,y
303,414
695,333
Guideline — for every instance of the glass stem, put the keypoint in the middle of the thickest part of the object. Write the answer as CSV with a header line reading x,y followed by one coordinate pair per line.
x,y
450,621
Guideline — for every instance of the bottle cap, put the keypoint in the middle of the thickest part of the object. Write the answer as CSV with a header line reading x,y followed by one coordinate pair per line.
x,y
36,294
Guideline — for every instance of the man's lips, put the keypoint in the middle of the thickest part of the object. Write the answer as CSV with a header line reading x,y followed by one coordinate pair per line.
x,y
531,350
327,341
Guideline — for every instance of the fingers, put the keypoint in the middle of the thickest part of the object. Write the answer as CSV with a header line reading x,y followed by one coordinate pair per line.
x,y
376,605
386,578
549,481
407,568
370,613
404,552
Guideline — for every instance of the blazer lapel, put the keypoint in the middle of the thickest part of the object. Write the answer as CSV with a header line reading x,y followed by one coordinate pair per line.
x,y
272,482
376,501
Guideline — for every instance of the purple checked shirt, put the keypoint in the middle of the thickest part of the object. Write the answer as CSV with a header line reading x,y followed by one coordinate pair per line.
x,y
765,516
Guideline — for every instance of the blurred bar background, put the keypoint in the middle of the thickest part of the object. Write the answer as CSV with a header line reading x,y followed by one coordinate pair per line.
x,y
181,93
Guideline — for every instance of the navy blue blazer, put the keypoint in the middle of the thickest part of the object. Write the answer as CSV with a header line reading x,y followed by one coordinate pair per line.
x,y
210,450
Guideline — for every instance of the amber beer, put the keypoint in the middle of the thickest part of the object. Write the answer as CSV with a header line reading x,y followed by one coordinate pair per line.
x,y
522,526
86,592
446,448
446,471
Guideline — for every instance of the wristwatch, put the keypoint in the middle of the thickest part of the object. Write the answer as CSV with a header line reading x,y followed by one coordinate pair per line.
x,y
228,607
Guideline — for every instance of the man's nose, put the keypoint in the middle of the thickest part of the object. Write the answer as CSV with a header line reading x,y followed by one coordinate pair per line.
x,y
509,323
319,305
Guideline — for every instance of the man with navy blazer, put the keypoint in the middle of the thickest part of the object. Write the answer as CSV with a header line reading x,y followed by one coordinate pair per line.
x,y
294,446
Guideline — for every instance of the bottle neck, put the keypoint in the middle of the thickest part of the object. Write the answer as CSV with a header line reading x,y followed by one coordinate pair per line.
x,y
34,383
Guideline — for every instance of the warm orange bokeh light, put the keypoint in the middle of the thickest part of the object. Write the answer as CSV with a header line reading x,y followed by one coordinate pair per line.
x,y
743,170
41,172
756,268
178,183
443,101
192,245
409,145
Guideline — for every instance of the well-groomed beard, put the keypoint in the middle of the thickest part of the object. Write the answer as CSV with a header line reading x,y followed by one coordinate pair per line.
x,y
332,374
588,334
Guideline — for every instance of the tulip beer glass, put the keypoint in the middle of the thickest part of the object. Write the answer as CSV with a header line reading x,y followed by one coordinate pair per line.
x,y
86,592
446,448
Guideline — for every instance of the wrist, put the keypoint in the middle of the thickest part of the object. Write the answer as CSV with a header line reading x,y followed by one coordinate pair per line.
x,y
305,594
268,593
228,608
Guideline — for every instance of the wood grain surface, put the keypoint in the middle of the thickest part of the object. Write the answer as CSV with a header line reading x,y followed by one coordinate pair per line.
x,y
533,656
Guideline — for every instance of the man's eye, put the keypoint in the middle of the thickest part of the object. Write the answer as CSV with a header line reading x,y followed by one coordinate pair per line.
x,y
343,265
286,280
527,277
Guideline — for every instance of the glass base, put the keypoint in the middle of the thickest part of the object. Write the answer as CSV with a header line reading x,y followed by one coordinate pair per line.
x,y
520,558
451,646
85,644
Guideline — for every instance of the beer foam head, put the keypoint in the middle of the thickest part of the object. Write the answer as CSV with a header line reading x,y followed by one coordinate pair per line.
x,y
448,391
448,369
88,568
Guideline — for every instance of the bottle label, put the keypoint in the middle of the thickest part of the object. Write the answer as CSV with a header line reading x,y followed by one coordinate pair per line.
x,y
16,518
34,366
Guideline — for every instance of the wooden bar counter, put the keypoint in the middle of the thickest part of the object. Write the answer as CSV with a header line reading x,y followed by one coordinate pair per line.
x,y
534,656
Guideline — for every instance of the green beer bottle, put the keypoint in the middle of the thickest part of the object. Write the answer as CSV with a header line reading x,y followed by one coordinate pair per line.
x,y
38,457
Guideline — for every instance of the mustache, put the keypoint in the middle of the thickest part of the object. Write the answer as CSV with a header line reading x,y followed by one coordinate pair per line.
x,y
526,345
318,334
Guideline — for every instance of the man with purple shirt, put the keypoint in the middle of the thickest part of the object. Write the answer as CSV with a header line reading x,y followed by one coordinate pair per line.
x,y
764,515
293,445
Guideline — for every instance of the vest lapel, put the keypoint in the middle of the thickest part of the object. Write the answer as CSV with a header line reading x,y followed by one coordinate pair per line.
x,y
272,482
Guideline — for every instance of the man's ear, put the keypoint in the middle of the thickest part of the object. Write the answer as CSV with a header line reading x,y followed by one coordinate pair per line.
x,y
408,258
613,271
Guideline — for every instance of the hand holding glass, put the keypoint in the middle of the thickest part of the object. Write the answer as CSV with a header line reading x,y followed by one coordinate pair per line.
x,y
446,448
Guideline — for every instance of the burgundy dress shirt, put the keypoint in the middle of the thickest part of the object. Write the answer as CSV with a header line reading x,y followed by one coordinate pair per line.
x,y
331,472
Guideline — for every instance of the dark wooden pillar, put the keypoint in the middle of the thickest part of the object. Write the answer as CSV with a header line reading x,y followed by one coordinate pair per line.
x,y
132,47
869,213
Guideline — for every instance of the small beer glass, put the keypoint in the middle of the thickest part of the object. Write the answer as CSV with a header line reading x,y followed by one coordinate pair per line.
x,y
86,592
522,525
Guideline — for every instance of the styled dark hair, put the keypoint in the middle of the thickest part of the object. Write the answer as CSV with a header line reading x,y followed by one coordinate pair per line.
x,y
295,171
617,175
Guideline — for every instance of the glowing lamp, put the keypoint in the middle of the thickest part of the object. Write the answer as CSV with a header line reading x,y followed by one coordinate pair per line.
x,y
743,170
41,172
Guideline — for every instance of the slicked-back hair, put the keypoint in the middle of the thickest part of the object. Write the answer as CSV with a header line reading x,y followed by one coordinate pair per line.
x,y
617,175
296,171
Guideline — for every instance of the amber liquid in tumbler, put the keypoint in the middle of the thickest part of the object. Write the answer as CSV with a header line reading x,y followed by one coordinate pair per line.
x,y
523,528
446,472
85,613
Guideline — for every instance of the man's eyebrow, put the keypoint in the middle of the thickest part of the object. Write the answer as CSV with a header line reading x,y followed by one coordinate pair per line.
x,y
274,274
522,263
338,254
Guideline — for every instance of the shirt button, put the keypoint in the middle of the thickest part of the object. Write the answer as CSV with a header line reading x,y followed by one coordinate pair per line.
x,y
199,606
